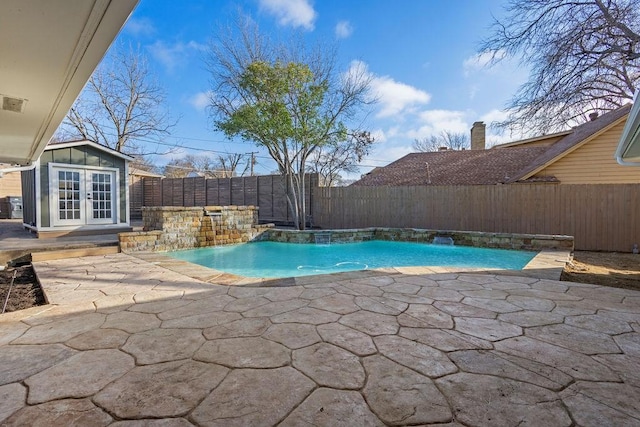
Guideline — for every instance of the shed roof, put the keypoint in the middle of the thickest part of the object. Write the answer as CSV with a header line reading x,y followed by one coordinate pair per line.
x,y
66,144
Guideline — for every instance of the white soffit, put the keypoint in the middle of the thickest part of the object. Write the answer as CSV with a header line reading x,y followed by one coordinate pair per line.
x,y
48,51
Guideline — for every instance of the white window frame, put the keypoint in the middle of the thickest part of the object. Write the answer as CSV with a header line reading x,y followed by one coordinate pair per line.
x,y
86,204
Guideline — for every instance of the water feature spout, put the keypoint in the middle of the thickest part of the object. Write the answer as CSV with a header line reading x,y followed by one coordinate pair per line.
x,y
214,216
322,238
443,240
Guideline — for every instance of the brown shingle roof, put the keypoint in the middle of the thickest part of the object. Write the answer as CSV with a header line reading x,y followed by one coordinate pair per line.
x,y
486,167
471,167
579,134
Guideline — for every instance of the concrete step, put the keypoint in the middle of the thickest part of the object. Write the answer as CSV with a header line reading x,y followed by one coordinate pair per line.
x,y
74,253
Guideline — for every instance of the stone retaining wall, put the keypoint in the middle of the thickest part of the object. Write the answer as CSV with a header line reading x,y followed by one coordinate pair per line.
x,y
533,242
171,228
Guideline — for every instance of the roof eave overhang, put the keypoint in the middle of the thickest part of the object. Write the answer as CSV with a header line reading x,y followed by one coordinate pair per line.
x,y
91,144
628,151
529,173
49,51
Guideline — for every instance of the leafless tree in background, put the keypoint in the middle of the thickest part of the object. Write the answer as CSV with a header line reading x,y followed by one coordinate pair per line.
x,y
222,166
181,167
229,163
584,56
329,161
120,105
446,139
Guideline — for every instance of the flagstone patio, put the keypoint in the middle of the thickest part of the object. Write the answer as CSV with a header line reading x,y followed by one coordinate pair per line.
x,y
126,342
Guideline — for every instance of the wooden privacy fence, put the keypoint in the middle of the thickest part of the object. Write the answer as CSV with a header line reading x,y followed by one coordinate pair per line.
x,y
600,217
266,191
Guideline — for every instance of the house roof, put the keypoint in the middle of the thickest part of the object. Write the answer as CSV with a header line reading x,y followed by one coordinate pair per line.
x,y
580,135
142,172
66,144
509,163
470,167
540,138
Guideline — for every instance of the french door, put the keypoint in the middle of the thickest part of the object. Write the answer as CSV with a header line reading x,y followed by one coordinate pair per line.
x,y
83,196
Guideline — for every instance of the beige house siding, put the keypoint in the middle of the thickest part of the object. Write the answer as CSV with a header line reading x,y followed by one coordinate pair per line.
x,y
593,163
10,185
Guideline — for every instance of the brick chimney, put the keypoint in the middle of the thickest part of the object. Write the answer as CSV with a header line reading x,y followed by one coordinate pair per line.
x,y
477,136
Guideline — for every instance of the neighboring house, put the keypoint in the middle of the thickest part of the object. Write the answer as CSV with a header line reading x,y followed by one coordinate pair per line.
x,y
77,188
10,193
10,189
582,155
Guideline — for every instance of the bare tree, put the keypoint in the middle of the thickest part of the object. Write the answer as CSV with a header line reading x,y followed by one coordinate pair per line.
x,y
229,163
181,167
328,161
285,97
120,105
584,56
222,166
446,139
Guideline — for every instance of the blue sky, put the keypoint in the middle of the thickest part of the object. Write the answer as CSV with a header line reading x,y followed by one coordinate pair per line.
x,y
421,55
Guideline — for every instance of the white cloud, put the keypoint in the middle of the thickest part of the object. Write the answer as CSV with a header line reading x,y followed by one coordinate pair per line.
x,y
343,29
296,13
173,55
200,100
433,122
394,97
140,27
480,61
379,135
494,116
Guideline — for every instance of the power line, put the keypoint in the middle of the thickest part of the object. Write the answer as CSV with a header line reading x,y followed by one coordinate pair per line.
x,y
253,154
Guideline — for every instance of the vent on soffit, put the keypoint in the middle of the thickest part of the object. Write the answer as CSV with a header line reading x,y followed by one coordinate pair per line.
x,y
10,103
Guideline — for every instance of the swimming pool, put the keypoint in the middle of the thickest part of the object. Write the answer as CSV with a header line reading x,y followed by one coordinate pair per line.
x,y
276,259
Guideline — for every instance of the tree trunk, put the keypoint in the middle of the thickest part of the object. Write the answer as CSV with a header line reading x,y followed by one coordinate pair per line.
x,y
292,198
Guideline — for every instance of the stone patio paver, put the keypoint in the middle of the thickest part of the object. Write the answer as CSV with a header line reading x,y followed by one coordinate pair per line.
x,y
81,375
67,412
12,397
249,352
254,397
167,389
163,345
399,395
330,366
293,335
494,401
19,362
130,343
329,407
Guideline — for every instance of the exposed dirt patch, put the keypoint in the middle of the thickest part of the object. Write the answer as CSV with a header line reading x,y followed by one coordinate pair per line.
x,y
25,292
620,270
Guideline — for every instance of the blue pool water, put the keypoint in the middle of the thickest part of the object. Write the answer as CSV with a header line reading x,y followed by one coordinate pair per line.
x,y
275,259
